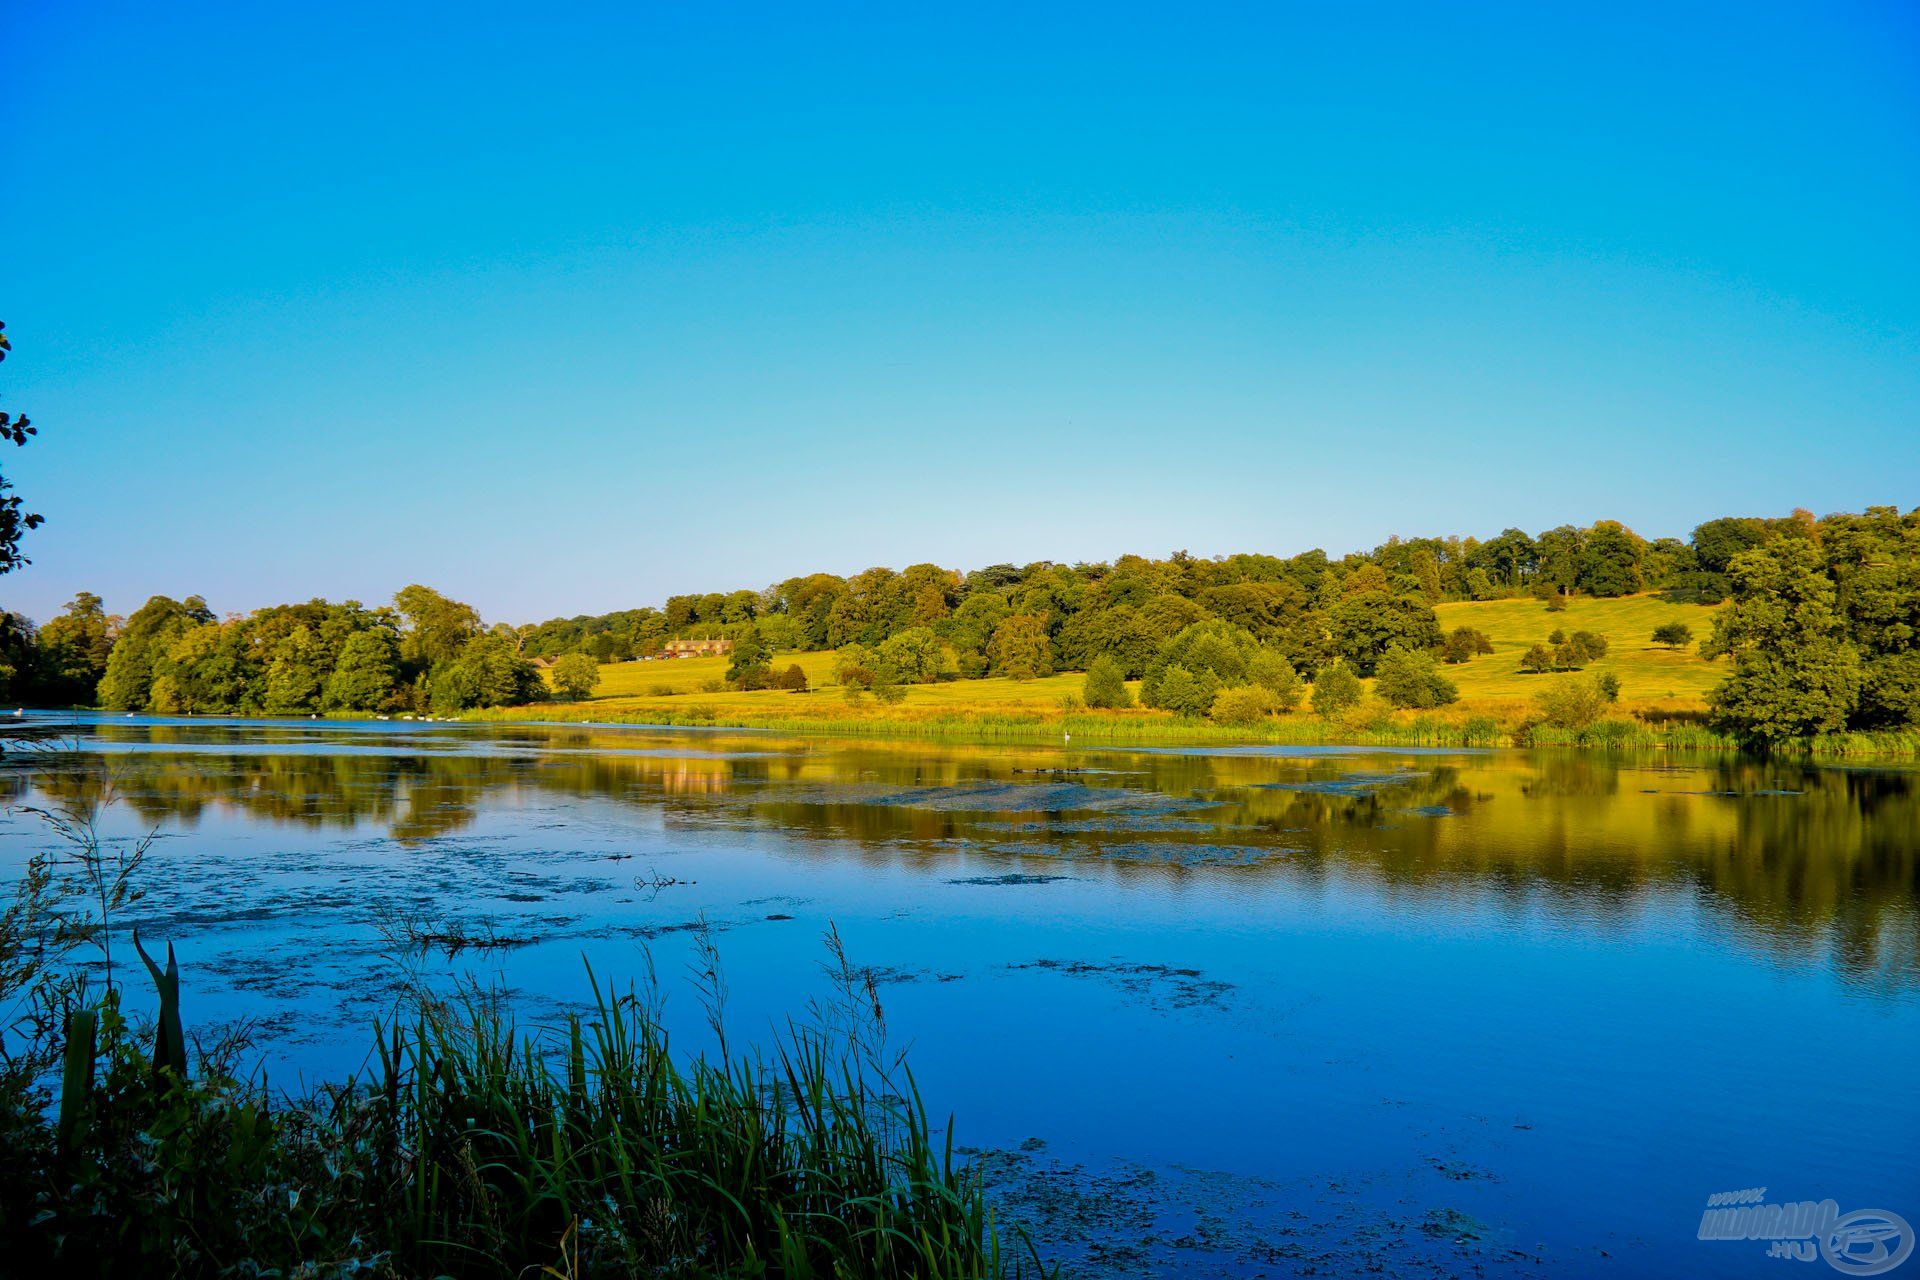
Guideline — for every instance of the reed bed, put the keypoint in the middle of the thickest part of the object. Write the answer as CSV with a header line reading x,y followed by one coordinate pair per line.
x,y
475,1148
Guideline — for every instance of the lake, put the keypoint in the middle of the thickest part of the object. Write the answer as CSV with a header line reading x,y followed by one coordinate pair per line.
x,y
1231,1012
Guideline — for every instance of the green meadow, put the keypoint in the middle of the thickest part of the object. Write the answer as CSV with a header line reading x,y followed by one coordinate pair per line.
x,y
1659,682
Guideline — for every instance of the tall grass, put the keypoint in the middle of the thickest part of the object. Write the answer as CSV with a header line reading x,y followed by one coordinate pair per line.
x,y
469,1147
477,1149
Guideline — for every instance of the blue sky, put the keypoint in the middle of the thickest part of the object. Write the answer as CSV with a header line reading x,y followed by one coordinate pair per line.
x,y
568,313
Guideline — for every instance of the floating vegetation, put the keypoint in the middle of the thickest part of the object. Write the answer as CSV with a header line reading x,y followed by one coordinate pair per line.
x,y
1158,984
1011,878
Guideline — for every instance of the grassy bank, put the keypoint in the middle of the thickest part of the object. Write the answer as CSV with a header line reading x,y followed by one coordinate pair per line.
x,y
1484,725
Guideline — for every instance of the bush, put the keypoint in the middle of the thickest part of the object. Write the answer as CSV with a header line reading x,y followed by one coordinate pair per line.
x,y
1410,678
1336,690
1572,703
1185,694
1537,659
1590,645
1674,635
1245,704
793,679
1556,603
1276,675
1106,685
1609,685
1556,637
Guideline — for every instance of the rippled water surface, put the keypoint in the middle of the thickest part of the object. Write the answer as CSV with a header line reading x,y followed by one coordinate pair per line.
x,y
1208,1012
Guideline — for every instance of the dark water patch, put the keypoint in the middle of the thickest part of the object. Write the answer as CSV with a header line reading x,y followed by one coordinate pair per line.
x,y
1135,822
1011,878
1350,784
996,797
1123,1220
1157,984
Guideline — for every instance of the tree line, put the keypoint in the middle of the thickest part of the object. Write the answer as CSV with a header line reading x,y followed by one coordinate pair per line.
x,y
424,653
1818,628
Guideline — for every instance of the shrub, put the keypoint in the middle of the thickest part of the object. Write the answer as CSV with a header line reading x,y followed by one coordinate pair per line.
x,y
793,679
1556,603
1609,685
1105,685
1556,637
1276,675
1674,635
1411,678
1244,704
1183,693
1537,659
1590,645
1572,703
1336,690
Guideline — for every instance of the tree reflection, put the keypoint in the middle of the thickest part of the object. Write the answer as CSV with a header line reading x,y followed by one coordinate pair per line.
x,y
1792,858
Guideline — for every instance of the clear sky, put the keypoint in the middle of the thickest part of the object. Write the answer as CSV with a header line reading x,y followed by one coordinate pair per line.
x,y
563,309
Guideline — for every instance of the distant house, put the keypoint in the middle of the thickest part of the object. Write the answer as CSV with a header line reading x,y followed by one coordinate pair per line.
x,y
696,648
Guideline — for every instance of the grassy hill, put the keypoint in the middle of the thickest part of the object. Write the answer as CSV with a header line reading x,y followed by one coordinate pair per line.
x,y
1650,675
686,690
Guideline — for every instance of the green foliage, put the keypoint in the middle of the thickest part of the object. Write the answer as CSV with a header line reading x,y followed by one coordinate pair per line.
x,y
1366,625
1556,603
1410,678
1276,675
793,679
1674,635
1336,690
1020,649
1572,702
1245,704
575,676
1182,692
747,662
294,677
437,629
366,677
127,684
1794,670
1106,685
1588,646
477,1150
914,656
15,520
73,652
489,672
1463,644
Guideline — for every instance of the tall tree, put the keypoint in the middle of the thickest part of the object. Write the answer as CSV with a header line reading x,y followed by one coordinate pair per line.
x,y
1794,671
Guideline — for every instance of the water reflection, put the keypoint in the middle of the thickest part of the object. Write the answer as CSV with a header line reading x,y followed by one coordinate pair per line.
x,y
1795,860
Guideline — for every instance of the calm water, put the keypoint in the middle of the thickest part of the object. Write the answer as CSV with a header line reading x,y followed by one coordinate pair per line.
x,y
1205,1012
